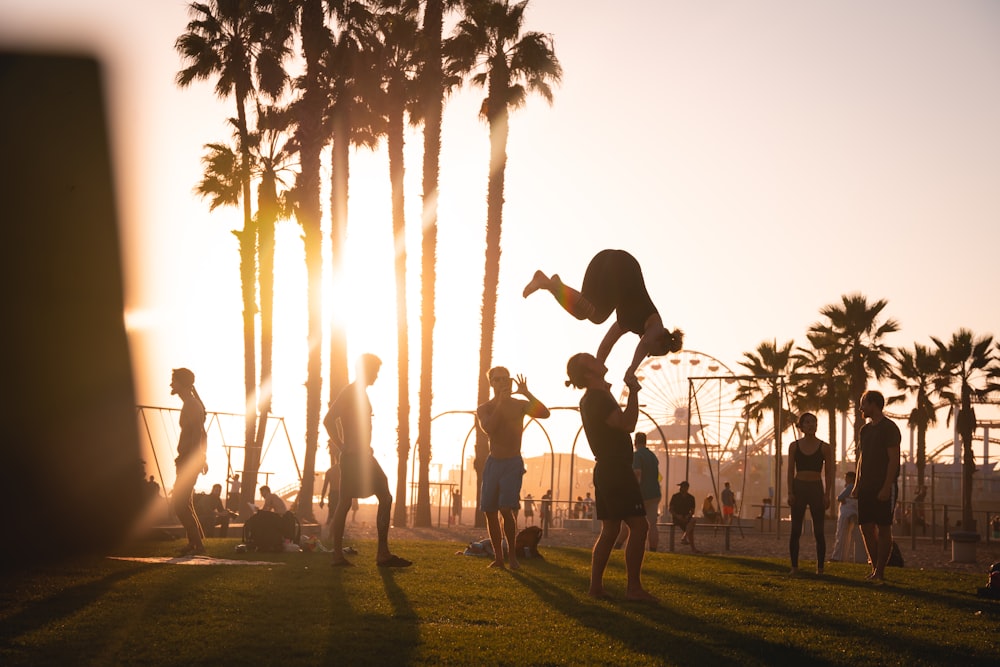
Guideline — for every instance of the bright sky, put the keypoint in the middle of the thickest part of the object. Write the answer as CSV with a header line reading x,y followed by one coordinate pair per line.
x,y
759,159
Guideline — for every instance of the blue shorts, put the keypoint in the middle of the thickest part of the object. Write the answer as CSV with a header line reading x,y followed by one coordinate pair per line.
x,y
501,484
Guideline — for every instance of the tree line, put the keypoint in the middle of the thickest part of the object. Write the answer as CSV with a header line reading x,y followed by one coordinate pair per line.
x,y
846,349
309,76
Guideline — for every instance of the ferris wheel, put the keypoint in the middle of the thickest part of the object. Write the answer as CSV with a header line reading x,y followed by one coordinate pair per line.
x,y
689,392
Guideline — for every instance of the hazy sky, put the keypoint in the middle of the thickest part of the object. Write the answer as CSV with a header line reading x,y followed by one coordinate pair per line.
x,y
760,159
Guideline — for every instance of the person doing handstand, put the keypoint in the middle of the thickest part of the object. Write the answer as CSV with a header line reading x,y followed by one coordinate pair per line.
x,y
614,282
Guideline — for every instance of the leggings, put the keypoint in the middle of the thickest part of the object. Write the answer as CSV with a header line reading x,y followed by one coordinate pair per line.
x,y
811,494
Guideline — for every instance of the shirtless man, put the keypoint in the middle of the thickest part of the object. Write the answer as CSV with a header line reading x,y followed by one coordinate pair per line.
x,y
502,419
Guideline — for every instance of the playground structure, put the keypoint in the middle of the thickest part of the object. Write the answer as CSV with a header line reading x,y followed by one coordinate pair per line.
x,y
159,429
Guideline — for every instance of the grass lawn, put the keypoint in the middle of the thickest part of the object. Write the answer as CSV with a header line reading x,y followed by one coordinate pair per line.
x,y
450,609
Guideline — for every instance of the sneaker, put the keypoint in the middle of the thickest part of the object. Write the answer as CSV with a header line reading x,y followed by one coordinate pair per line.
x,y
350,551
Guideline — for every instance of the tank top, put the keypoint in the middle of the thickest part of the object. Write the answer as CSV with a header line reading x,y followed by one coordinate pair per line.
x,y
811,462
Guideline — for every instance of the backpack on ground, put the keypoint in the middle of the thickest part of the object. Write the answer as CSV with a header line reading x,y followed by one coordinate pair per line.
x,y
264,531
527,541
895,556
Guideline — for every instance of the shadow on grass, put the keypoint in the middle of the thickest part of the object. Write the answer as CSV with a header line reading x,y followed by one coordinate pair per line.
x,y
849,622
657,631
69,601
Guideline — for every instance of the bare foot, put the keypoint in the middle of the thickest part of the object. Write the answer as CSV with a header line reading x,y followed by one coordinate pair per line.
x,y
514,564
538,281
497,563
600,594
641,595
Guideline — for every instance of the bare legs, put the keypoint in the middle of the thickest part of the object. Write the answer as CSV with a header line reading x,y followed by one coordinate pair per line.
x,y
571,300
509,530
635,550
183,499
878,544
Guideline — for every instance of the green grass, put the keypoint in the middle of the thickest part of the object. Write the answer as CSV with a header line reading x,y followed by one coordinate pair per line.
x,y
452,610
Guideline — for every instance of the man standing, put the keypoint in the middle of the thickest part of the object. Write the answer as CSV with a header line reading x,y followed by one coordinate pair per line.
x,y
875,486
191,462
646,467
233,497
502,419
608,428
349,424
728,505
848,515
681,510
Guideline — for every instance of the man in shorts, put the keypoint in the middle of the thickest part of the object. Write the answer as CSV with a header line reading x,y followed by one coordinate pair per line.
x,y
502,420
617,495
875,485
349,424
728,505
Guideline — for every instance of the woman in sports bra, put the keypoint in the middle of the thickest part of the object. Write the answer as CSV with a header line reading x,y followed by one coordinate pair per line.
x,y
809,461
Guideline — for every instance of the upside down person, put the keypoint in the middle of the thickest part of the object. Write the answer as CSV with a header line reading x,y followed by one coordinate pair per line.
x,y
614,282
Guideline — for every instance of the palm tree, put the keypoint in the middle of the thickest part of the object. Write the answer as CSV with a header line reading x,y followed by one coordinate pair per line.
x,y
770,364
309,137
429,110
818,385
271,158
348,77
488,42
854,331
919,373
397,63
967,363
240,44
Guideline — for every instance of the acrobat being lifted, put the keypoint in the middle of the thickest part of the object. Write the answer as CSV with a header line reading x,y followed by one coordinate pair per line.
x,y
613,282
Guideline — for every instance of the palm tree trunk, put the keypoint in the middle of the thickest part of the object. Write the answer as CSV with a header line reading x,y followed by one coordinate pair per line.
x,y
433,101
966,426
491,280
248,276
267,215
309,214
396,173
340,159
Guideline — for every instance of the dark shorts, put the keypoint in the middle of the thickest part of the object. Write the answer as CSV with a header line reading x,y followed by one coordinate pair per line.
x,y
361,476
871,510
616,491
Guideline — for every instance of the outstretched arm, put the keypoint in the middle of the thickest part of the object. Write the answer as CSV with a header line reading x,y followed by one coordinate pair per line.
x,y
610,338
650,340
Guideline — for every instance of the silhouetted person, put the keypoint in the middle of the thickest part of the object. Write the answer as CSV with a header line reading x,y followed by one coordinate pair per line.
x,y
502,419
529,510
272,502
876,488
349,424
190,461
614,283
608,428
810,460
233,497
546,509
212,513
728,504
681,508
